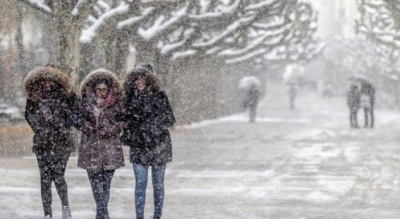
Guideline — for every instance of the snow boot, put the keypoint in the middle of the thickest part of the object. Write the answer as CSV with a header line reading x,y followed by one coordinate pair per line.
x,y
66,212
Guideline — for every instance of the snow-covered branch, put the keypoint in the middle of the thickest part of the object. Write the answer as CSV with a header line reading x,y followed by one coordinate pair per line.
x,y
267,38
134,20
259,5
378,23
38,5
220,12
89,33
161,24
287,34
75,11
168,48
236,25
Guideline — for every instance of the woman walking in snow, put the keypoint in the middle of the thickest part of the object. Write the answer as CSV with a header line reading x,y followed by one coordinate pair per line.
x,y
253,96
100,152
148,115
49,110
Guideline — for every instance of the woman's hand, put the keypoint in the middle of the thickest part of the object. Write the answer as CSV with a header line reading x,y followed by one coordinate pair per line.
x,y
89,128
102,133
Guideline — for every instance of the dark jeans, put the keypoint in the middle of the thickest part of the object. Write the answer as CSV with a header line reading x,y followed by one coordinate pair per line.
x,y
101,184
370,112
52,169
253,112
353,118
157,176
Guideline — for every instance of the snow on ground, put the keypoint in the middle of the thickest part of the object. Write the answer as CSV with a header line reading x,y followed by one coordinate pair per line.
x,y
305,163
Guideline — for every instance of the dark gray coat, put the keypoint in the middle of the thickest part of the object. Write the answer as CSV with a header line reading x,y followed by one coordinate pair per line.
x,y
100,149
353,100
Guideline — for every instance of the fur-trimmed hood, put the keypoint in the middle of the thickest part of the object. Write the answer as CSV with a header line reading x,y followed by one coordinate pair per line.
x,y
88,81
151,79
34,77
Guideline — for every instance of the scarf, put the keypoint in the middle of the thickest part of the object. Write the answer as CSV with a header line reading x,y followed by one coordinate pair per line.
x,y
44,108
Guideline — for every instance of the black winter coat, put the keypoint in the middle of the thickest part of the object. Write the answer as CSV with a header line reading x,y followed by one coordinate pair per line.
x,y
353,100
148,116
54,134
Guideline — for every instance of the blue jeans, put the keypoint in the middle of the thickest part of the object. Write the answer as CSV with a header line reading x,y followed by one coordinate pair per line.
x,y
157,176
101,183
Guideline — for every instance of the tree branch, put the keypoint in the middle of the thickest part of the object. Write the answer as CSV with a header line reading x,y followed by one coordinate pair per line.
x,y
34,4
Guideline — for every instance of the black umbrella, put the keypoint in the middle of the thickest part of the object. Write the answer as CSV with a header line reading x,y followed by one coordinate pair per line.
x,y
359,78
366,86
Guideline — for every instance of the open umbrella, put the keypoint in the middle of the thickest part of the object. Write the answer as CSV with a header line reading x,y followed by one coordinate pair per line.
x,y
249,81
366,85
359,78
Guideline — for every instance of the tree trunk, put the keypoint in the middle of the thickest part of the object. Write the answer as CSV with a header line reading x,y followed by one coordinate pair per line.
x,y
48,41
162,66
108,45
121,54
145,51
21,64
87,57
67,40
19,38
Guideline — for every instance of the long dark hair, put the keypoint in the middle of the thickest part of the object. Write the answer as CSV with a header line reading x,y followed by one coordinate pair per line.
x,y
140,72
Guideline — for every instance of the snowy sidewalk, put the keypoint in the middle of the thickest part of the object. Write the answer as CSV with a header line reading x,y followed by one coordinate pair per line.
x,y
302,164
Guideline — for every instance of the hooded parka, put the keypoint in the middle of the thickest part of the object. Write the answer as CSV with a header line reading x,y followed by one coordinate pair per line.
x,y
148,115
50,113
100,149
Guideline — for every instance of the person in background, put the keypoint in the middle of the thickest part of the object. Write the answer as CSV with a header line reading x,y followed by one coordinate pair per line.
x,y
252,98
148,115
49,112
365,104
100,151
292,96
369,90
353,102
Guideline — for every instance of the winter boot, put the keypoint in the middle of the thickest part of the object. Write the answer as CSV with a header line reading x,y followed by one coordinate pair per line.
x,y
66,212
47,217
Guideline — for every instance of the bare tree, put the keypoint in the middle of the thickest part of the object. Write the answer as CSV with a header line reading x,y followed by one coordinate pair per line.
x,y
379,23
